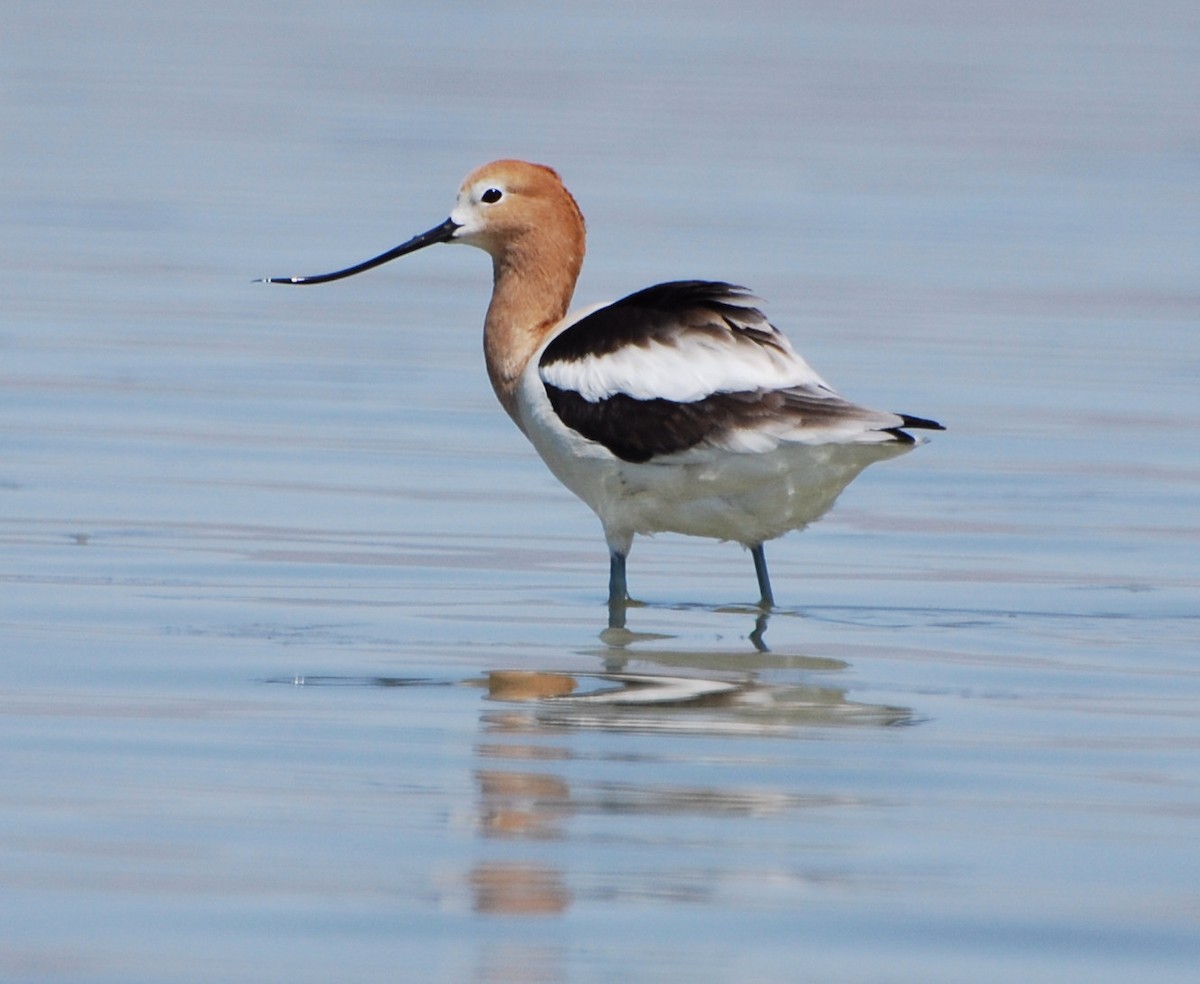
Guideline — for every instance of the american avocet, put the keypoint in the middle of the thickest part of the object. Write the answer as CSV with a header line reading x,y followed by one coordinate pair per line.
x,y
676,409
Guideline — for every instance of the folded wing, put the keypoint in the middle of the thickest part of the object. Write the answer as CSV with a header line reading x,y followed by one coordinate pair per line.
x,y
693,364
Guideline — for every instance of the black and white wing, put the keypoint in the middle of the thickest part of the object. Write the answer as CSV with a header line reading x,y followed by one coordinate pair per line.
x,y
695,363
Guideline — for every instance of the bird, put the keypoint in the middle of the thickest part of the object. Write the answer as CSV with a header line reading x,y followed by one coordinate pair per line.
x,y
679,408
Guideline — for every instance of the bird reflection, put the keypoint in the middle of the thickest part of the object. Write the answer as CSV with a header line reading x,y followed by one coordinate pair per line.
x,y
527,805
618,636
528,781
719,702
519,889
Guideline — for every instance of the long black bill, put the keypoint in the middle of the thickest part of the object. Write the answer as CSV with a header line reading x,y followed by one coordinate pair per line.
x,y
441,234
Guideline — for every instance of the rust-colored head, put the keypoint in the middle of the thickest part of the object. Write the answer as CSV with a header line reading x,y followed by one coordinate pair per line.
x,y
522,215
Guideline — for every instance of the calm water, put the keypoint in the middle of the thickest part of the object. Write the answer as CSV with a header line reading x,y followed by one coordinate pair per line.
x,y
303,668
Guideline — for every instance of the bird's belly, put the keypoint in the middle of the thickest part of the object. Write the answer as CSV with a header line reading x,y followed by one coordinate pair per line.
x,y
749,498
745,497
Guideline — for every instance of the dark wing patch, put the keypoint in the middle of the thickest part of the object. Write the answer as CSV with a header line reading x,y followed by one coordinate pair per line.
x,y
660,313
638,430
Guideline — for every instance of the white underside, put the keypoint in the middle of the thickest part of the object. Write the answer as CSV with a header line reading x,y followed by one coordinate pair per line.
x,y
746,496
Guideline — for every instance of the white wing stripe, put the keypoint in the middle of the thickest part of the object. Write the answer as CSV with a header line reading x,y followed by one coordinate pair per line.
x,y
689,369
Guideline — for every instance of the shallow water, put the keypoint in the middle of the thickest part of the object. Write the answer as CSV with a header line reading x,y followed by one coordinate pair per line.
x,y
305,674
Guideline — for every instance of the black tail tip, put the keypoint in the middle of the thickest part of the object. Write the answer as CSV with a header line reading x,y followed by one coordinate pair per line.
x,y
916,423
920,423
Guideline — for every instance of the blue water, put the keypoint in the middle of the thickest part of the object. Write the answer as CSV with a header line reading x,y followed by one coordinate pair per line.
x,y
304,669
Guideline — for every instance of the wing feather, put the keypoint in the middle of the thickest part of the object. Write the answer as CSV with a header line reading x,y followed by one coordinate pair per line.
x,y
678,341
696,363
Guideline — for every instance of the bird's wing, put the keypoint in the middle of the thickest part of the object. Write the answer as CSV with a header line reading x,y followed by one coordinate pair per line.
x,y
695,363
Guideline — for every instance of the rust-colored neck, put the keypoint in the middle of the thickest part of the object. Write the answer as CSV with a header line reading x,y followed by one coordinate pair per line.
x,y
534,276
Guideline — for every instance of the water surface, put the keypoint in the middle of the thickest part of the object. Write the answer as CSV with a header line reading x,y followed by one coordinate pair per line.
x,y
304,669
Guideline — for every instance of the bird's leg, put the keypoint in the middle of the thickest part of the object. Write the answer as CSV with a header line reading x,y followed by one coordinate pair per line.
x,y
618,592
764,579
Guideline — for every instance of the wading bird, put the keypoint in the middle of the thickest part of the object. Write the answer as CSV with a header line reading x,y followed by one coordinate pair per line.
x,y
679,408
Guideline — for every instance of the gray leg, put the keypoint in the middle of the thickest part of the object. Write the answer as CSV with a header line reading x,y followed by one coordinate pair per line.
x,y
764,579
618,592
760,630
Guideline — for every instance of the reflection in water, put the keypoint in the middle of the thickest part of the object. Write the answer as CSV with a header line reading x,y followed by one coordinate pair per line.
x,y
521,804
529,790
535,779
521,962
515,889
760,628
685,704
617,635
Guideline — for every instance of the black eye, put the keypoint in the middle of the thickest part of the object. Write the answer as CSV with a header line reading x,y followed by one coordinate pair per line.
x,y
491,196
